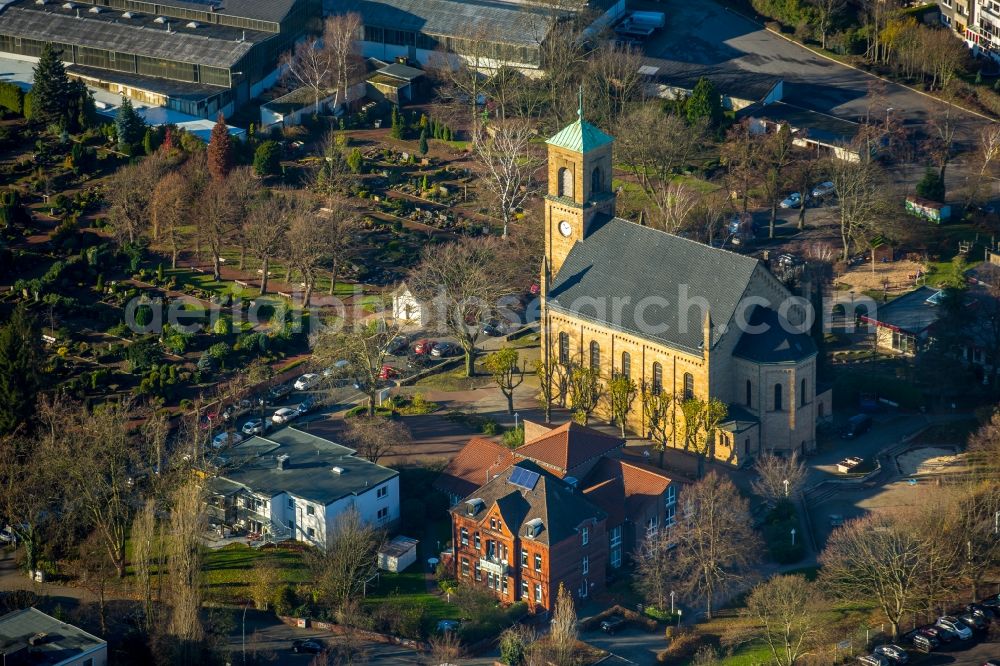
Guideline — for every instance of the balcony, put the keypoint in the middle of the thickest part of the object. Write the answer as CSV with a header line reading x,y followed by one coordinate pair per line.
x,y
494,566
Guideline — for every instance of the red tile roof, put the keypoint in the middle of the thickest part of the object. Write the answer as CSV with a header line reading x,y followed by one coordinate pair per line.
x,y
479,459
568,446
635,486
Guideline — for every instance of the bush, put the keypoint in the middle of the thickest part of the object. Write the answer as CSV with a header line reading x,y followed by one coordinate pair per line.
x,y
682,646
220,350
267,159
284,601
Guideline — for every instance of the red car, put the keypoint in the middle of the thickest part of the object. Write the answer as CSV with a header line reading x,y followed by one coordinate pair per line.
x,y
388,372
423,346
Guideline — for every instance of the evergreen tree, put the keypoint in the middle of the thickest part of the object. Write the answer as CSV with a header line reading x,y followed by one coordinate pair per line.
x,y
355,160
50,90
397,124
220,150
80,112
148,142
446,133
129,127
931,186
267,159
20,367
423,142
704,102
435,129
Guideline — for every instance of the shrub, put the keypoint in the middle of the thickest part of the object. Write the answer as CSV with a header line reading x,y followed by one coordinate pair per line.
x,y
490,427
267,159
220,350
683,645
284,601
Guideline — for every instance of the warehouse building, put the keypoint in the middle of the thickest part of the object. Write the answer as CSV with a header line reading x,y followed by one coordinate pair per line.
x,y
194,56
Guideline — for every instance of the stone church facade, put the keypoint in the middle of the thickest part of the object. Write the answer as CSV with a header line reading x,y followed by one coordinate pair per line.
x,y
672,314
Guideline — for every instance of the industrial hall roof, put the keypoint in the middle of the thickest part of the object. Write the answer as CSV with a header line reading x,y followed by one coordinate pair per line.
x,y
500,22
197,46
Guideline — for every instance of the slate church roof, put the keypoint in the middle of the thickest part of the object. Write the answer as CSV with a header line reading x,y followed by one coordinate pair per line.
x,y
624,263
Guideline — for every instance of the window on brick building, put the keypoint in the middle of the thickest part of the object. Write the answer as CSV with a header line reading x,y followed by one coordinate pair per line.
x,y
564,348
465,537
465,567
524,558
595,356
525,590
688,386
479,543
538,592
626,365
538,562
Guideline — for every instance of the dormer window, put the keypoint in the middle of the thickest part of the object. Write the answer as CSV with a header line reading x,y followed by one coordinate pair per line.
x,y
473,506
533,528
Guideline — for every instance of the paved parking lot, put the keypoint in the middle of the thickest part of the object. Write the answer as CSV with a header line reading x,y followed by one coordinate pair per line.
x,y
705,38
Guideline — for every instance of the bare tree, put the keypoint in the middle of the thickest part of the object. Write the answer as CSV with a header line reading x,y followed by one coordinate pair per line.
x,y
663,418
563,632
341,33
310,241
504,366
264,578
716,547
778,478
791,612
343,568
776,157
585,391
341,225
266,228
672,205
101,476
30,494
311,64
145,546
169,212
549,373
654,569
129,193
95,572
654,162
861,191
876,557
614,81
621,392
463,70
375,437
827,13
187,523
741,155
464,282
445,649
508,163
217,221
701,419
988,149
364,347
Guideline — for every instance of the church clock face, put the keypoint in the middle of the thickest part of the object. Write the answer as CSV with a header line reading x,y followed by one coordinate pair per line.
x,y
565,228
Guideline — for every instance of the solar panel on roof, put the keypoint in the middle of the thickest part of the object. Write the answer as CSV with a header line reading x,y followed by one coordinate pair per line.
x,y
524,478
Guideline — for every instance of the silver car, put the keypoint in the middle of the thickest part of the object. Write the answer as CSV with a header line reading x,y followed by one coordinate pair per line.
x,y
955,626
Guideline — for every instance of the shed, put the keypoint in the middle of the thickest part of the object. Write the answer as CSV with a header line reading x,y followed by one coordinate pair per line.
x,y
927,209
398,554
406,308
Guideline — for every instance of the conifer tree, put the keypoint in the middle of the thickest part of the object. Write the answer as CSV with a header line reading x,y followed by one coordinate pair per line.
x,y
129,127
20,366
50,89
220,150
423,142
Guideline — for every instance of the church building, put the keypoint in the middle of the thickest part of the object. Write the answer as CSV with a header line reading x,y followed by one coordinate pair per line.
x,y
672,314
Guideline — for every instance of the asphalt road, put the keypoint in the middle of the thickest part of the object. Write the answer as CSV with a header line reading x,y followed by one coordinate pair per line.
x,y
706,37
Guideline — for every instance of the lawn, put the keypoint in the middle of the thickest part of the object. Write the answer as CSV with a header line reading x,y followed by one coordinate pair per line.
x,y
410,587
226,570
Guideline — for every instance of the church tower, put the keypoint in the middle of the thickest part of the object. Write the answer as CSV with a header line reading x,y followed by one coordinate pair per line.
x,y
579,165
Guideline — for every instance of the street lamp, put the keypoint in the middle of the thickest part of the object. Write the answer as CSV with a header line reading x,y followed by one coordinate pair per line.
x,y
516,415
679,613
245,606
786,487
793,536
996,523
671,602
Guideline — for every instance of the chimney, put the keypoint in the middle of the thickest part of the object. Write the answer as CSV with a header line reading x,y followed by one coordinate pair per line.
x,y
282,461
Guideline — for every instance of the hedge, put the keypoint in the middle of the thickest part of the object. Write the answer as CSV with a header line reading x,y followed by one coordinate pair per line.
x,y
12,97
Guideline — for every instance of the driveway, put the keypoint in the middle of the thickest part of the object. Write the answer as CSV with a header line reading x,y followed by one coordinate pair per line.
x,y
630,646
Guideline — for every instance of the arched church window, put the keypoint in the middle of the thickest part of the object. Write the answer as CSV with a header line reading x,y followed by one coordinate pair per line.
x,y
596,180
565,182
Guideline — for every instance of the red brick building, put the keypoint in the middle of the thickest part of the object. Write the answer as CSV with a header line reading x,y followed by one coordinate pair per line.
x,y
591,506
526,531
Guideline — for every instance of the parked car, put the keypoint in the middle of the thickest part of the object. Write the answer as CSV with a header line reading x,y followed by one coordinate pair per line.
x,y
873,660
954,625
307,646
397,345
992,603
612,624
793,200
972,621
388,372
284,415
226,439
423,346
306,405
255,427
278,392
822,189
306,381
982,611
893,653
856,426
443,350
922,642
940,633
495,329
